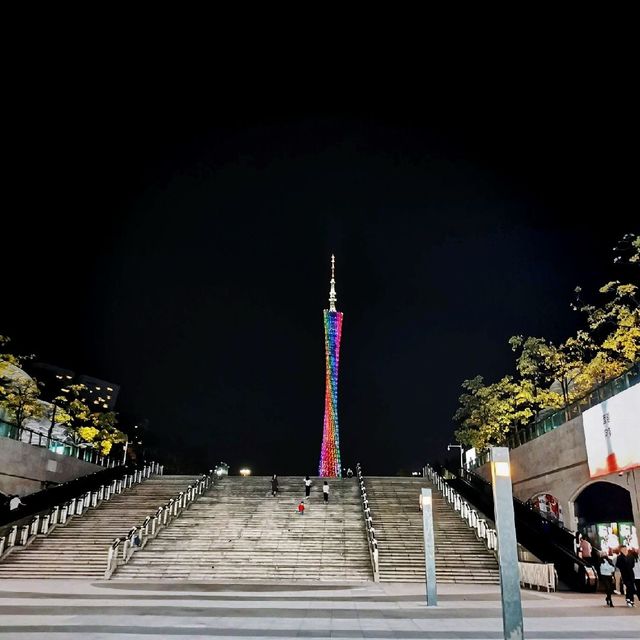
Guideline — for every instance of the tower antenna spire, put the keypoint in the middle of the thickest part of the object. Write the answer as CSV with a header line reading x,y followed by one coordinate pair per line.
x,y
333,297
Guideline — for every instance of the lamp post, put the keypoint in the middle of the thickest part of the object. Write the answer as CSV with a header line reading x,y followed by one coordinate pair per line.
x,y
507,544
429,548
458,446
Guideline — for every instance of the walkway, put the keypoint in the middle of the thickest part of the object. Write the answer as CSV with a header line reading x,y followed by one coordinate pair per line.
x,y
78,610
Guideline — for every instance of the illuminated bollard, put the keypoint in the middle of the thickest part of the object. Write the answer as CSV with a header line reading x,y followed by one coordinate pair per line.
x,y
507,544
429,548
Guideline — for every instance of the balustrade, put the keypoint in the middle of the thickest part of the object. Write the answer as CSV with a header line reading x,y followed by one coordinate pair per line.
x,y
59,515
138,537
372,543
533,574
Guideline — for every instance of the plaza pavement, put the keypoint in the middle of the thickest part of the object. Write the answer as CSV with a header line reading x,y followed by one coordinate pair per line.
x,y
83,610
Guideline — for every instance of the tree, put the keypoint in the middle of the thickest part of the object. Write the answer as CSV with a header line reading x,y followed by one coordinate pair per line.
x,y
18,394
20,398
567,364
614,331
69,409
108,434
487,414
85,427
536,366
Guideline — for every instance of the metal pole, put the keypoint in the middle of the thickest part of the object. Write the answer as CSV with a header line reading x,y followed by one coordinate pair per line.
x,y
507,544
429,549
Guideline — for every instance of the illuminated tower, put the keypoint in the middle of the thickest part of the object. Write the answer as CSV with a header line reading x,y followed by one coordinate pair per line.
x,y
330,453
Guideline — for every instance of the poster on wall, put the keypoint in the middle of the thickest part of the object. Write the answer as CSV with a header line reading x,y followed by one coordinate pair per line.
x,y
610,535
611,433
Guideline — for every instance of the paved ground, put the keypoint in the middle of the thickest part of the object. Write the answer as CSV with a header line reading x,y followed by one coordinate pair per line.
x,y
34,609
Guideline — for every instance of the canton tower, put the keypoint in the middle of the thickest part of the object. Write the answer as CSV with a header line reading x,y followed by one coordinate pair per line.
x,y
330,466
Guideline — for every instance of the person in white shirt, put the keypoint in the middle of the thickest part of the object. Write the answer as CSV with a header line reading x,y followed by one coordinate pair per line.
x,y
607,569
325,491
307,486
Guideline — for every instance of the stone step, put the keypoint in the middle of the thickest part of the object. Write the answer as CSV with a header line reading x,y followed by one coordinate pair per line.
x,y
460,556
80,547
246,533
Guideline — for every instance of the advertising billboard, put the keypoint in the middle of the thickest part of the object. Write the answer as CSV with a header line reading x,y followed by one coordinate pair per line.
x,y
610,535
612,433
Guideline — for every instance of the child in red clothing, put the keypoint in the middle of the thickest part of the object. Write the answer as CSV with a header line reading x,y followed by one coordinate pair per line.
x,y
301,507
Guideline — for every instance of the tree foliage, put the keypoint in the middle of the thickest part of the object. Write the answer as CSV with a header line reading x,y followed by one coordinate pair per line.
x,y
94,428
20,399
554,376
487,414
19,396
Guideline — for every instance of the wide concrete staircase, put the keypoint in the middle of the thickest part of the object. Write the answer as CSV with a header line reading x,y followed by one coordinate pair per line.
x,y
79,548
460,556
239,531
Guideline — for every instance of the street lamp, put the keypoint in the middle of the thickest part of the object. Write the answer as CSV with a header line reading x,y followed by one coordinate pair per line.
x,y
457,446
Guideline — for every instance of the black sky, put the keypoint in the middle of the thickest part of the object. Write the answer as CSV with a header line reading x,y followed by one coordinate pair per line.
x,y
179,245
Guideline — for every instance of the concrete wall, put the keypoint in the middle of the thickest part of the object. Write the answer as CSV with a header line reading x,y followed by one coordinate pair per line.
x,y
24,467
556,463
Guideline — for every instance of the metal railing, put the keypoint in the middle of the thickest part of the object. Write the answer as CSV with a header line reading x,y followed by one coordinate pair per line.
x,y
548,541
23,533
466,511
372,542
39,439
122,549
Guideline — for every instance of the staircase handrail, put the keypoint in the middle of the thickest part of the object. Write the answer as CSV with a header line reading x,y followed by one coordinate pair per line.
x,y
40,502
139,536
572,569
473,517
23,532
561,536
372,542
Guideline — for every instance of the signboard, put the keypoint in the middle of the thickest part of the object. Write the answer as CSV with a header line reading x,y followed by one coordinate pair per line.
x,y
610,535
612,433
469,458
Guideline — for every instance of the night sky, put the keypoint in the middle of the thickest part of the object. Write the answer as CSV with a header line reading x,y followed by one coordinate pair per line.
x,y
181,248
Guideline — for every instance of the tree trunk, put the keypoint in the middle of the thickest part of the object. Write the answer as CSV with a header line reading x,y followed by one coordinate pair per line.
x,y
53,420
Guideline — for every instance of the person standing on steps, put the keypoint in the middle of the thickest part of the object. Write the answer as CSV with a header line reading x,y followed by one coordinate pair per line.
x,y
325,491
307,486
301,508
585,551
274,485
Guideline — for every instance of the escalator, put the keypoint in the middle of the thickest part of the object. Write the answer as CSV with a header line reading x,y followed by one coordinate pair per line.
x,y
547,540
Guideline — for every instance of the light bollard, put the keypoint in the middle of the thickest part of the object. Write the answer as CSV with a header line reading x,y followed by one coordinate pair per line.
x,y
507,544
429,548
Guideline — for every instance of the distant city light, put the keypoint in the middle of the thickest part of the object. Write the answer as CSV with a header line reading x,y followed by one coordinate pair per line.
x,y
245,472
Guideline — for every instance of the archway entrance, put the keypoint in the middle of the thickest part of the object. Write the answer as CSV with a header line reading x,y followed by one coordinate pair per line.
x,y
605,515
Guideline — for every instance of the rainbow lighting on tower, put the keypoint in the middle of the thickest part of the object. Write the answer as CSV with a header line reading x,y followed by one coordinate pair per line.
x,y
330,466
